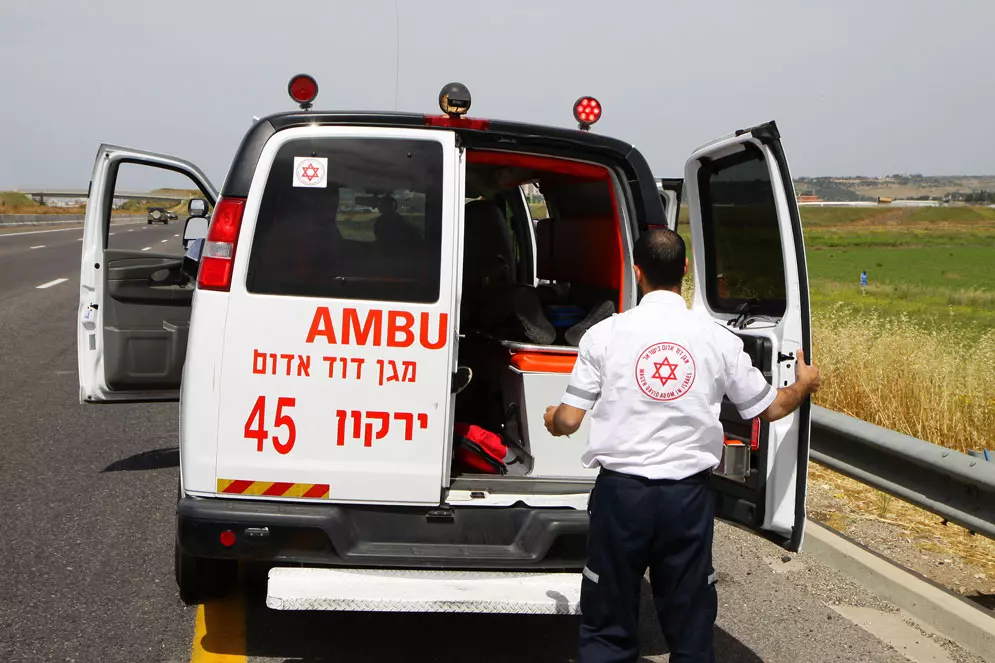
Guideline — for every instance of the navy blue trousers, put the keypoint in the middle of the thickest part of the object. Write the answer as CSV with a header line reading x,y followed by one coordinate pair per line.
x,y
664,526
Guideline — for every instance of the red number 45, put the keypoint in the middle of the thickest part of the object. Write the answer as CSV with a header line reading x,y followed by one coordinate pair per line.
x,y
258,416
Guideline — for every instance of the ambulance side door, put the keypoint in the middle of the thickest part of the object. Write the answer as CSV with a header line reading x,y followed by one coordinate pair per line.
x,y
751,277
135,300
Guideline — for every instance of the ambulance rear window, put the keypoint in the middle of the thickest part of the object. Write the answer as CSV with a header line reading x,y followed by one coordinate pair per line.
x,y
362,220
743,257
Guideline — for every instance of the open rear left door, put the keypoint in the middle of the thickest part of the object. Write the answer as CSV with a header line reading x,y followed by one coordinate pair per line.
x,y
751,277
134,301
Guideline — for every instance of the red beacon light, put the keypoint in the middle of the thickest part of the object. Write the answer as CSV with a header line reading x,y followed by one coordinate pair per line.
x,y
303,89
587,111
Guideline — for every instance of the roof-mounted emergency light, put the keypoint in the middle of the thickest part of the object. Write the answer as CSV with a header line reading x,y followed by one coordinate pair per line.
x,y
454,100
303,89
587,111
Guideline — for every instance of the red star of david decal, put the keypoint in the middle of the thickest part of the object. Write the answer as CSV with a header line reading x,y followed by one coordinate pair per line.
x,y
310,172
664,379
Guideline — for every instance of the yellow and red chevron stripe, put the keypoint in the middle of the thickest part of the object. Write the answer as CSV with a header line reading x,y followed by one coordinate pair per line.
x,y
273,488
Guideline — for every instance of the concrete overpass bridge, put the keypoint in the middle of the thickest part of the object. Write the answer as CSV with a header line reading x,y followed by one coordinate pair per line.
x,y
45,195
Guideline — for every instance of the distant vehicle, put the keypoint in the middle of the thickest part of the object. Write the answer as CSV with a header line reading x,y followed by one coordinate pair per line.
x,y
157,215
171,216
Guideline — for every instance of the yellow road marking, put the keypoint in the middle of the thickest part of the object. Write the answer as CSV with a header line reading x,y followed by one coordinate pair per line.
x,y
219,634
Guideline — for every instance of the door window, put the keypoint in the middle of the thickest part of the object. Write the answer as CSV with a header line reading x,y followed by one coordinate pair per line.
x,y
369,227
149,209
743,257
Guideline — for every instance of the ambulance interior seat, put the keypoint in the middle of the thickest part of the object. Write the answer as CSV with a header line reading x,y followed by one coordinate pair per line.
x,y
488,253
494,303
578,247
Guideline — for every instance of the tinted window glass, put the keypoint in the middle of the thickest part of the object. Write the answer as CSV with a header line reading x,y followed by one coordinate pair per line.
x,y
374,231
743,257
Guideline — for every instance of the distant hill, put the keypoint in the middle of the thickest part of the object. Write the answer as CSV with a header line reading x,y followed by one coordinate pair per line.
x,y
960,187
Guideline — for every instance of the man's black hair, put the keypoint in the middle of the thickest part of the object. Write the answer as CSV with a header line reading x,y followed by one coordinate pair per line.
x,y
660,253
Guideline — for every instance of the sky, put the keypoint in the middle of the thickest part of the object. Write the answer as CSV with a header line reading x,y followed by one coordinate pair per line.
x,y
857,87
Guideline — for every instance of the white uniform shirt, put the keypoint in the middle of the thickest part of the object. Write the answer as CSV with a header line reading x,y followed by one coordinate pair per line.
x,y
655,376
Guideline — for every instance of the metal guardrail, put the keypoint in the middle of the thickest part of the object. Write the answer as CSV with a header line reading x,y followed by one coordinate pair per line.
x,y
38,219
8,220
951,484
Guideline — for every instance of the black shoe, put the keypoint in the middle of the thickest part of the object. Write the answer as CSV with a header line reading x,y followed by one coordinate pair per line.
x,y
602,311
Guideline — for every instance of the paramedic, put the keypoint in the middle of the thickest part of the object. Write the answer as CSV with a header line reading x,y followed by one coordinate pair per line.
x,y
653,378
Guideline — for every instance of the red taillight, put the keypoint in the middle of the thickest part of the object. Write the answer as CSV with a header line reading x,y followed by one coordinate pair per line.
x,y
755,435
218,256
456,122
227,538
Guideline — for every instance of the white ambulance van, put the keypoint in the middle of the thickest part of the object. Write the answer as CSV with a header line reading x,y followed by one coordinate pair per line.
x,y
368,282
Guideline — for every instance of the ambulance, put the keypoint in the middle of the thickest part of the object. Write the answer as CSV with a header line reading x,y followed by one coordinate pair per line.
x,y
372,285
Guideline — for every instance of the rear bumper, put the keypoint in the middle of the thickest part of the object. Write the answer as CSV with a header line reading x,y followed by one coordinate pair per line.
x,y
490,538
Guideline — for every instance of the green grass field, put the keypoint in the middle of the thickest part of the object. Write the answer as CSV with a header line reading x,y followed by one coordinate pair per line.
x,y
934,266
931,266
945,268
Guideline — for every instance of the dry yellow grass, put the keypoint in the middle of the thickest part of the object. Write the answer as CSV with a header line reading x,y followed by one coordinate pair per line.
x,y
931,383
934,384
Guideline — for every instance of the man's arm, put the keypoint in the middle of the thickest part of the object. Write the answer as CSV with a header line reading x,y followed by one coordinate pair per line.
x,y
584,387
563,419
789,398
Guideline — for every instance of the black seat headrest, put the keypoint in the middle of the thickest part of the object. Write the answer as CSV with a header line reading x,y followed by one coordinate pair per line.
x,y
488,248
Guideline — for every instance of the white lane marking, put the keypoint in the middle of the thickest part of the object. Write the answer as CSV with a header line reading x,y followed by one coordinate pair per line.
x,y
40,246
80,239
175,235
112,234
50,284
131,230
164,241
60,230
147,248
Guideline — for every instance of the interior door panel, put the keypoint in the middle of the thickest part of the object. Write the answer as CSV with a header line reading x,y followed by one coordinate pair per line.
x,y
738,501
146,321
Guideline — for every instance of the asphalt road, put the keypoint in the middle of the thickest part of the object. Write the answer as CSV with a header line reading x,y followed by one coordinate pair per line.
x,y
86,510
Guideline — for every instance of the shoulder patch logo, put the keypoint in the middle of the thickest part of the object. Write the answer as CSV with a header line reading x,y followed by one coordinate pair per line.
x,y
665,371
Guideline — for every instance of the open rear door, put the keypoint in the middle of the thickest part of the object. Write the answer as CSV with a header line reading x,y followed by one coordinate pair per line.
x,y
340,334
134,302
751,277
